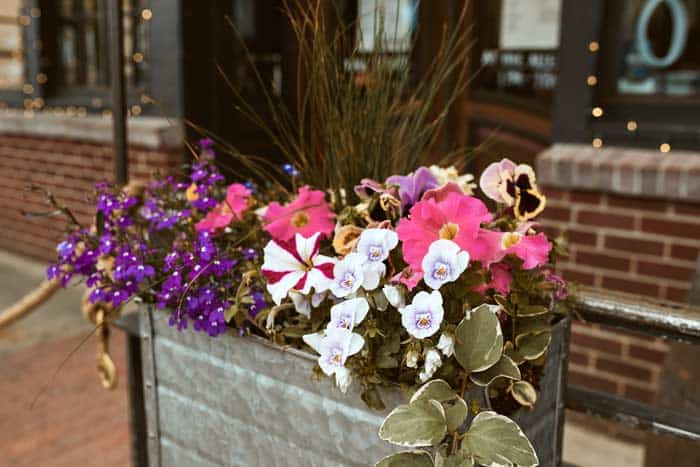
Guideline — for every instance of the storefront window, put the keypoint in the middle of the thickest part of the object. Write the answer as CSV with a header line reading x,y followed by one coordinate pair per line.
x,y
517,47
661,48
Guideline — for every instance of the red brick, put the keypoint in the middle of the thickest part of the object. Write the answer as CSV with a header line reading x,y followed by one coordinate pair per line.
x,y
690,209
600,219
602,261
557,213
637,204
672,228
601,344
664,271
578,276
553,193
581,237
592,381
689,253
647,354
587,197
638,394
623,369
631,286
634,245
578,358
677,294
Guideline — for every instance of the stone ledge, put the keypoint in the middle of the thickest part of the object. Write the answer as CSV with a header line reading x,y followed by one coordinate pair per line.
x,y
148,132
642,173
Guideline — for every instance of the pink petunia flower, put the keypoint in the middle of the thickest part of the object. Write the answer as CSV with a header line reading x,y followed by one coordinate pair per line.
x,y
308,214
457,218
221,216
532,249
500,280
297,266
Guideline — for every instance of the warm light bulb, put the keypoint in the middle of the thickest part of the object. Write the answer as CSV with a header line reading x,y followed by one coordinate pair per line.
x,y
41,78
631,125
593,46
597,143
137,57
597,112
665,147
146,14
592,80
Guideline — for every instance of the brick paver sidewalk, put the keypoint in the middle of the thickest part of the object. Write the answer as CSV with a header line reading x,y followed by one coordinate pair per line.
x,y
75,423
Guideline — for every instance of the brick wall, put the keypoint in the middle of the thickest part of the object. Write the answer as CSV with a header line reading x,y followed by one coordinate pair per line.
x,y
69,169
623,238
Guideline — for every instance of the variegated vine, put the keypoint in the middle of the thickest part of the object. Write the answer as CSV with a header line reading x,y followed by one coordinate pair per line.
x,y
455,433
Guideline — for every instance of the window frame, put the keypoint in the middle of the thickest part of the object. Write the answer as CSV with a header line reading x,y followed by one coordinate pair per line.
x,y
659,120
43,30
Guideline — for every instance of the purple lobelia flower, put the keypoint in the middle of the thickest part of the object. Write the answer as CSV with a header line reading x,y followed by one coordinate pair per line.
x,y
413,186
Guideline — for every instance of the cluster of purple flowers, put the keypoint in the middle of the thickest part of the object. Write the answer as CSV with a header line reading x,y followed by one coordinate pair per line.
x,y
147,246
194,289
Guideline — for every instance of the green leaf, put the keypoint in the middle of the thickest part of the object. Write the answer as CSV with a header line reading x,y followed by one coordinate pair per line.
x,y
532,325
421,423
533,346
406,459
532,310
494,439
456,413
458,459
437,389
479,340
524,393
505,367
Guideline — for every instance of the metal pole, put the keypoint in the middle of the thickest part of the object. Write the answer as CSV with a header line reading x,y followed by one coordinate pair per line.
x,y
116,61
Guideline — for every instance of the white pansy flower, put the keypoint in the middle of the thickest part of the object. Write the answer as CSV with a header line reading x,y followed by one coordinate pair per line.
x,y
374,246
444,262
422,318
446,344
348,275
303,303
334,347
412,358
349,313
394,295
433,361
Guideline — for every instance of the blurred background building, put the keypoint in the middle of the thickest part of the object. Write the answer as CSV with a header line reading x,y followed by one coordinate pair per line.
x,y
602,96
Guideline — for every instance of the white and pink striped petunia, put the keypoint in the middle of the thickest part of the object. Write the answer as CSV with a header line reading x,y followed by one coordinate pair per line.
x,y
296,265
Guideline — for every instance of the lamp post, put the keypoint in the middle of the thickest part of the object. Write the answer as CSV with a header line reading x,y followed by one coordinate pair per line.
x,y
118,92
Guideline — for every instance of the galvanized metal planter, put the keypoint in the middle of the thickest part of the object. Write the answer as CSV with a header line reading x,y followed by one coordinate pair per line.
x,y
244,402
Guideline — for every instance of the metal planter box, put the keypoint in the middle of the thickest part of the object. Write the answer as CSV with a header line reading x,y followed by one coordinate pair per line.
x,y
241,401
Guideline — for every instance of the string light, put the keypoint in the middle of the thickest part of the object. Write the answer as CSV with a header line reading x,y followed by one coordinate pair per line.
x,y
592,80
597,143
631,125
665,147
146,14
137,57
593,46
597,112
41,78
28,88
